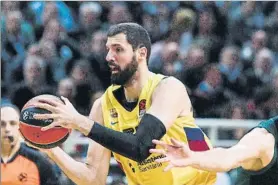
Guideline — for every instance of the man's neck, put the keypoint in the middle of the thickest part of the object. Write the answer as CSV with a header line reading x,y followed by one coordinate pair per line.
x,y
133,89
8,151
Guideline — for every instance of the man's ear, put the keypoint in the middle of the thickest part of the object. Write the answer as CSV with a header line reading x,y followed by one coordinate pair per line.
x,y
142,53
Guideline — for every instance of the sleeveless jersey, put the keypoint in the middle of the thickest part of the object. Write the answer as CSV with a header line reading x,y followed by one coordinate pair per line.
x,y
184,129
269,174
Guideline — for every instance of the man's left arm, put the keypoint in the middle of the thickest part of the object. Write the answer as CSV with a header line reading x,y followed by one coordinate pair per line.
x,y
168,101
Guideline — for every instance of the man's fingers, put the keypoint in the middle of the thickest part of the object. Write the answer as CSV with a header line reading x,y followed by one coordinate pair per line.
x,y
158,151
169,167
52,125
45,116
162,160
46,106
66,101
161,143
51,102
176,142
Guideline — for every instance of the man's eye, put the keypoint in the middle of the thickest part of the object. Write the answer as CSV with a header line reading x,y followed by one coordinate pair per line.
x,y
3,123
13,123
118,49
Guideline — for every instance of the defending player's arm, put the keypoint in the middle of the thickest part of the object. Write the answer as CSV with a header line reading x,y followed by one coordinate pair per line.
x,y
253,152
98,158
166,107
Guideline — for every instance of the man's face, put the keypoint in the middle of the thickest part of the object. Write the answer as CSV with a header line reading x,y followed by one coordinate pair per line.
x,y
33,73
121,59
9,126
66,88
13,23
52,31
98,43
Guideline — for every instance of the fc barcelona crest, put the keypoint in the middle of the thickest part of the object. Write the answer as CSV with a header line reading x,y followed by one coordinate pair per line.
x,y
113,113
142,108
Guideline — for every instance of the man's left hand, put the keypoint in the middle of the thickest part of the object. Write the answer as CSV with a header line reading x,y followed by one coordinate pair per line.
x,y
64,115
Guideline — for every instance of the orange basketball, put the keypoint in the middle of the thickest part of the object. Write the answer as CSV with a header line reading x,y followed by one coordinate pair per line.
x,y
30,128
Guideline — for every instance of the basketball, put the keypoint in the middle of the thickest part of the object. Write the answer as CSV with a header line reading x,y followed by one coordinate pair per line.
x,y
30,128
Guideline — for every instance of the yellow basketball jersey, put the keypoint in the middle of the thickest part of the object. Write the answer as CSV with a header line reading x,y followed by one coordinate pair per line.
x,y
184,129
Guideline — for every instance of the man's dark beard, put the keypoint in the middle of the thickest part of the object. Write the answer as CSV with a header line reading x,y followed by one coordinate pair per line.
x,y
123,76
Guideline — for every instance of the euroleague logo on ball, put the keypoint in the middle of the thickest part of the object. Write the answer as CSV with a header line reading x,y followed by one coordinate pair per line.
x,y
25,115
29,115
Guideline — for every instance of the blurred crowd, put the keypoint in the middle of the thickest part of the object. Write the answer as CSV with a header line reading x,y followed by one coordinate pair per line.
x,y
225,53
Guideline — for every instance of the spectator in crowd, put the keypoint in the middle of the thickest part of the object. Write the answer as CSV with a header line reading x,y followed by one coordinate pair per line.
x,y
184,21
209,93
86,83
119,13
34,81
262,72
235,109
45,11
16,36
266,97
250,48
9,6
271,26
89,20
195,61
167,62
67,88
206,35
244,21
231,69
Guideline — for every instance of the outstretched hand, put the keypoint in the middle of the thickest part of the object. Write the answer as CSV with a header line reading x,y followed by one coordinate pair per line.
x,y
177,154
64,115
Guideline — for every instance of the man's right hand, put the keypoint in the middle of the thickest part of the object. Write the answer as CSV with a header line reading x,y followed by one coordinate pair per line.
x,y
177,154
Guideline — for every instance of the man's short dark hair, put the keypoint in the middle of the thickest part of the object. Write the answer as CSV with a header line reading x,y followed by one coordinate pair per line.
x,y
136,35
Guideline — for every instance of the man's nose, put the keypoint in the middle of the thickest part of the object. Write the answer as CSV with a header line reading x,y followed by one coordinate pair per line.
x,y
7,128
110,56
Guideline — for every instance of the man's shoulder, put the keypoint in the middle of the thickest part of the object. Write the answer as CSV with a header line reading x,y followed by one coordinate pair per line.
x,y
169,83
271,125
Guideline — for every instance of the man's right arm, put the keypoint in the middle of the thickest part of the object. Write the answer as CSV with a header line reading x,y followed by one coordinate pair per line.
x,y
97,165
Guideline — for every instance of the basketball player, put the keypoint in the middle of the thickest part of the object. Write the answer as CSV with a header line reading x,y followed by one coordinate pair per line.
x,y
254,156
140,106
20,164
